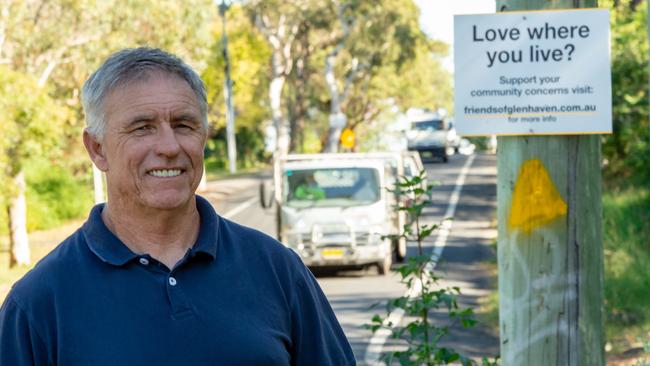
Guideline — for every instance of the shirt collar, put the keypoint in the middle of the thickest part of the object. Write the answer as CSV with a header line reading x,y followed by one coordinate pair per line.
x,y
206,242
105,245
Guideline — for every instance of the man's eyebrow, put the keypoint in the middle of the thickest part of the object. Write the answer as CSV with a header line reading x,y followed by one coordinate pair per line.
x,y
186,116
139,119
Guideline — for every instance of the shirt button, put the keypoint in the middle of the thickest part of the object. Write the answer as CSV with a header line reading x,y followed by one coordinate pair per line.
x,y
172,281
144,261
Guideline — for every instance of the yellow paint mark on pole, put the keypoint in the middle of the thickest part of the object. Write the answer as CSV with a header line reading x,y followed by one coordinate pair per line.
x,y
535,200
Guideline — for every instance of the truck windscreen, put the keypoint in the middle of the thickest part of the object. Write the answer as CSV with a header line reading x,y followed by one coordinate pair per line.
x,y
331,187
434,124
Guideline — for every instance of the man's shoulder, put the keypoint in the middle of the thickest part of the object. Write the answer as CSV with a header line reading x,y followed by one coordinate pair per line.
x,y
248,237
48,273
254,243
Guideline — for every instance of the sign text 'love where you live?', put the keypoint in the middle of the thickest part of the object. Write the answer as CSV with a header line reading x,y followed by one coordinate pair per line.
x,y
533,73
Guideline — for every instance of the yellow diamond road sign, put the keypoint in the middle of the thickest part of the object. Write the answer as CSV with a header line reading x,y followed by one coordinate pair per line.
x,y
347,138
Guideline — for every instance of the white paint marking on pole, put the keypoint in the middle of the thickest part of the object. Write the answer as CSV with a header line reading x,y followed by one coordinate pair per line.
x,y
241,207
376,343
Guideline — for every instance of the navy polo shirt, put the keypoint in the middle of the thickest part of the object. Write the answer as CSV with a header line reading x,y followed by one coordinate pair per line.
x,y
238,297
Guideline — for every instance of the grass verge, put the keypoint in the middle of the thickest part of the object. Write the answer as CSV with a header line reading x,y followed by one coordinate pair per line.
x,y
627,266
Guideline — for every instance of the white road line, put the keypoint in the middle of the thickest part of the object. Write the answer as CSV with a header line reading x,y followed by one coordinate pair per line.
x,y
376,343
241,207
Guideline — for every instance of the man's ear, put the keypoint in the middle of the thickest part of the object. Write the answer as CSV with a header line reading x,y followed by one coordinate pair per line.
x,y
95,151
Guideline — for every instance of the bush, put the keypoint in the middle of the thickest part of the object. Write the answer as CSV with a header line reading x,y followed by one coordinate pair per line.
x,y
250,150
54,195
627,254
626,150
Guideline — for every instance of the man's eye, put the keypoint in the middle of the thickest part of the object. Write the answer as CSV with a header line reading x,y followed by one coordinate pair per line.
x,y
142,128
185,126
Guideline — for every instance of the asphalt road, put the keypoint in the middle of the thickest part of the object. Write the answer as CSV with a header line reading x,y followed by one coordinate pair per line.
x,y
464,253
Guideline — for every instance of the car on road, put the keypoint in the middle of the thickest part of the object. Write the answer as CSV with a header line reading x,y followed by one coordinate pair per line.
x,y
466,147
431,135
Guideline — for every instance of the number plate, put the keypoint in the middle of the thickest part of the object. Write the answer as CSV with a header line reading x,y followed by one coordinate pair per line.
x,y
332,253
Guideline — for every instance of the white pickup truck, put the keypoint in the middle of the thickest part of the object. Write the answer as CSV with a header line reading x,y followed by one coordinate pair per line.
x,y
333,209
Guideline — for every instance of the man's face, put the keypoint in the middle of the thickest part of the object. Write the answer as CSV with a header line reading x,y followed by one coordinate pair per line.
x,y
152,150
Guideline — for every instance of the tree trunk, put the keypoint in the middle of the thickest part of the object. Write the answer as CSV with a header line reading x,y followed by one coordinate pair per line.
x,y
296,102
17,210
281,37
337,120
280,123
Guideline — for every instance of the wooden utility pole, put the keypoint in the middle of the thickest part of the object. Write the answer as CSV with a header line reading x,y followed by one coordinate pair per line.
x,y
550,249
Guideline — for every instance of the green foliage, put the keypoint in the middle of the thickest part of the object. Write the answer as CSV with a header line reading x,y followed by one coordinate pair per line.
x,y
424,294
249,57
397,61
627,254
30,121
627,151
54,195
384,57
250,149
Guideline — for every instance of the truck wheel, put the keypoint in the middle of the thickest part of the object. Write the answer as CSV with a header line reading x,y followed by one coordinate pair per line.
x,y
383,267
445,158
400,249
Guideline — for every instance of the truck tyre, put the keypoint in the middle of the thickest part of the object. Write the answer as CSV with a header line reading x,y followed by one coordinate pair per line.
x,y
400,249
383,267
263,196
445,158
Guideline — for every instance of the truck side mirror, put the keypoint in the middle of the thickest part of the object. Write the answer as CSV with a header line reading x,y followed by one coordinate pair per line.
x,y
266,194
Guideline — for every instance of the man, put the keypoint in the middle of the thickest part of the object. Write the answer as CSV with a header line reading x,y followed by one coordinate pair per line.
x,y
309,189
155,276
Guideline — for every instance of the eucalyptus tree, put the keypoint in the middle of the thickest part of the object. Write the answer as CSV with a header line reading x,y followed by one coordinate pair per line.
x,y
31,125
344,59
33,45
372,47
280,23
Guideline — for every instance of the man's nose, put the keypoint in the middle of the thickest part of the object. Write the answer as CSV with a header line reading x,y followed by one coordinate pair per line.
x,y
167,143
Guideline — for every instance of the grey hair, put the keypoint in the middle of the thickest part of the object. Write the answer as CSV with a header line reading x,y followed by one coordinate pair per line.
x,y
128,65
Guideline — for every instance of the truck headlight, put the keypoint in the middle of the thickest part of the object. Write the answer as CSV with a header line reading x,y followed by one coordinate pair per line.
x,y
293,240
369,236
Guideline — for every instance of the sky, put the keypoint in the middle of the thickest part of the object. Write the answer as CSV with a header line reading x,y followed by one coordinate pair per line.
x,y
437,18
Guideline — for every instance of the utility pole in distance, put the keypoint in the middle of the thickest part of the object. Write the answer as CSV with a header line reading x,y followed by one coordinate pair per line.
x,y
550,275
227,93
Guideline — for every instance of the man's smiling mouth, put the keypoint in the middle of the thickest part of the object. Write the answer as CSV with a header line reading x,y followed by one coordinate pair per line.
x,y
164,173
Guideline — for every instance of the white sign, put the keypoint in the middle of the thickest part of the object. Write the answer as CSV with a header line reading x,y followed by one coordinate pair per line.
x,y
530,73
